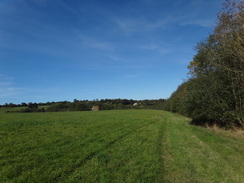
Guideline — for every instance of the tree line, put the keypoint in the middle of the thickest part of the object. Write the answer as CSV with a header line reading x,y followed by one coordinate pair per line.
x,y
214,91
86,105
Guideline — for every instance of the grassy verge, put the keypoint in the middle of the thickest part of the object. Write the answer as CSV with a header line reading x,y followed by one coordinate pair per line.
x,y
115,146
196,154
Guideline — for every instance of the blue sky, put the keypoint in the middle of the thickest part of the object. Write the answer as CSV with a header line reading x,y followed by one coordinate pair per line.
x,y
55,50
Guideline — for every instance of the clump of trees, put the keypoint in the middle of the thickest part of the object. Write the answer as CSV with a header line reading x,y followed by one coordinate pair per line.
x,y
214,92
30,107
33,107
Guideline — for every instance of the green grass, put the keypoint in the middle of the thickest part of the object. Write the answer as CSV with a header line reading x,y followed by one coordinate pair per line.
x,y
115,146
17,109
5,109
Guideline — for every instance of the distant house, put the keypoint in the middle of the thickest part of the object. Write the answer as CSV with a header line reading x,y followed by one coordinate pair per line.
x,y
135,104
95,108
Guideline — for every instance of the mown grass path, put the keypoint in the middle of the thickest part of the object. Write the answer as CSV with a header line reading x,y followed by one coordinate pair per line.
x,y
115,146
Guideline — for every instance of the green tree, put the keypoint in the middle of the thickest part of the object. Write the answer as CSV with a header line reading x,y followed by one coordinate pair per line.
x,y
215,90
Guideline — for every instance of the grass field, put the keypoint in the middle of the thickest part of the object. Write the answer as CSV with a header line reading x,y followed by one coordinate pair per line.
x,y
115,146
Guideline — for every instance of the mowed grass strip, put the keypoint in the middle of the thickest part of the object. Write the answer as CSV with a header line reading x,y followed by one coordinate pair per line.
x,y
196,154
115,146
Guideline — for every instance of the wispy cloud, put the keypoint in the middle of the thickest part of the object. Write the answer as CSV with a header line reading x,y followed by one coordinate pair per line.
x,y
141,24
7,8
6,88
182,16
117,64
155,47
131,76
70,9
5,83
123,63
94,43
7,94
201,22
9,89
130,25
41,3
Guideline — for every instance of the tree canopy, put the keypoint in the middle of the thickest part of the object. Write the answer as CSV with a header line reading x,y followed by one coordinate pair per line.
x,y
214,92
